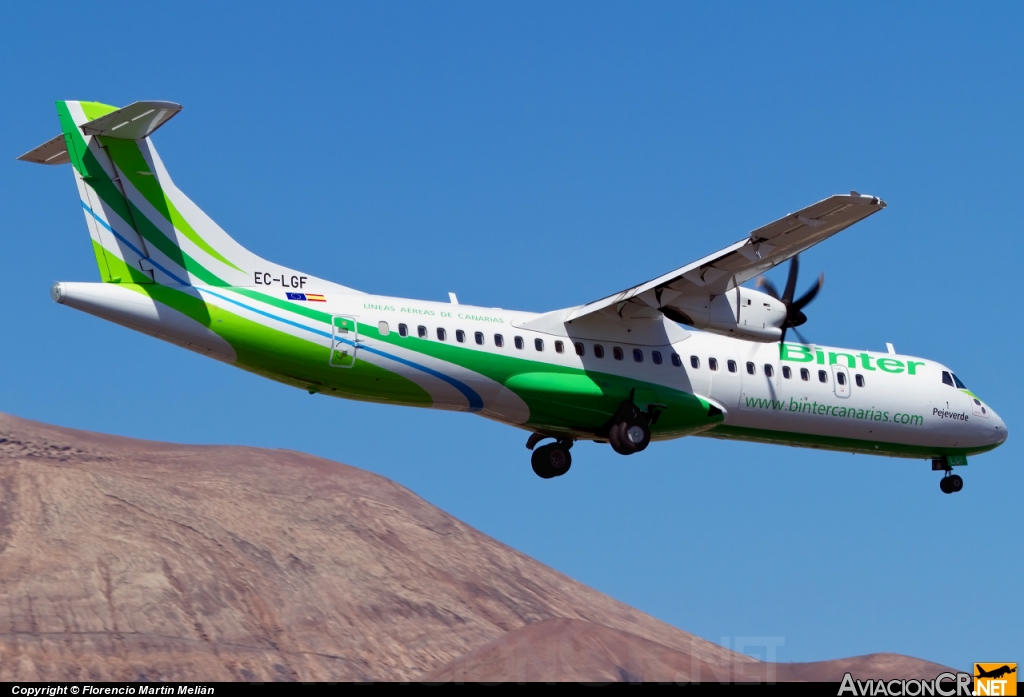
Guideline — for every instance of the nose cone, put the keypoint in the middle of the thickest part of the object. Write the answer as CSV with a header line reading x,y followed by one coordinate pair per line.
x,y
999,431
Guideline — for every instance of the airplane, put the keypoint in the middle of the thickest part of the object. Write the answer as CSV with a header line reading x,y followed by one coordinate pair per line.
x,y
692,352
995,673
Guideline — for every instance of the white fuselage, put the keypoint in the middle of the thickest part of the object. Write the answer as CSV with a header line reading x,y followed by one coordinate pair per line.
x,y
789,394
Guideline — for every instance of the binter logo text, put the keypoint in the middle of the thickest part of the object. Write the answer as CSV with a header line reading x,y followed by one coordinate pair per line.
x,y
796,353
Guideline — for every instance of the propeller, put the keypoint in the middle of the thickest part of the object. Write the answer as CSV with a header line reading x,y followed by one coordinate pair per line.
x,y
794,314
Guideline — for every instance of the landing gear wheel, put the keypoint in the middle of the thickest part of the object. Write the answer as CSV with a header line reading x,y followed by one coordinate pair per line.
x,y
628,437
951,484
639,435
618,440
552,460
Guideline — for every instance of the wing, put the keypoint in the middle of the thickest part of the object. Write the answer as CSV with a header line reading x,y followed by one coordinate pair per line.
x,y
761,250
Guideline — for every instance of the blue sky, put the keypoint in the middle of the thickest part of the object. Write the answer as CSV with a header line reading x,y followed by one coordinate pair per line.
x,y
540,155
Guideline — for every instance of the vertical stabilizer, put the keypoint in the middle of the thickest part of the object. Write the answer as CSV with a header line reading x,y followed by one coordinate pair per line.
x,y
143,228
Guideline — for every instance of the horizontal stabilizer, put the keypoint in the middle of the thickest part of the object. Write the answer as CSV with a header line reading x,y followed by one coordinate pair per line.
x,y
133,122
52,152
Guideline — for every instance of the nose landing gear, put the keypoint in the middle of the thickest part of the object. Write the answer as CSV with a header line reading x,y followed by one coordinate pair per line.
x,y
950,483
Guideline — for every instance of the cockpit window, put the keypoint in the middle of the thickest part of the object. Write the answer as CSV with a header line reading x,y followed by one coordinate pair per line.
x,y
959,384
947,379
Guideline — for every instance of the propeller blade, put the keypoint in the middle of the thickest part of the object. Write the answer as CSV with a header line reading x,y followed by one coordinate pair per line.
x,y
782,339
801,337
763,282
794,270
807,297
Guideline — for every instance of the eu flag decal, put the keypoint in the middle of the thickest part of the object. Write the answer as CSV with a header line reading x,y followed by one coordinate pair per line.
x,y
307,297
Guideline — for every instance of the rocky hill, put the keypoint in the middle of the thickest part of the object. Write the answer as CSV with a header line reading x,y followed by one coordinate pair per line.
x,y
126,559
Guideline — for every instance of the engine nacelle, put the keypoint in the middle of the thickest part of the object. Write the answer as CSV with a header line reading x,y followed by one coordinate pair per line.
x,y
741,312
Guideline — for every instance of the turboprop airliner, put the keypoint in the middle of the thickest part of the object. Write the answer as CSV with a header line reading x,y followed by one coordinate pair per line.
x,y
694,352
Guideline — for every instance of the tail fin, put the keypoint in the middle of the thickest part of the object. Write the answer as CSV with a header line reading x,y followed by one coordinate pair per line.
x,y
143,228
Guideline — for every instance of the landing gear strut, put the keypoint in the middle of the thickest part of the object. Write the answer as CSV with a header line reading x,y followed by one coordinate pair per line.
x,y
551,460
950,483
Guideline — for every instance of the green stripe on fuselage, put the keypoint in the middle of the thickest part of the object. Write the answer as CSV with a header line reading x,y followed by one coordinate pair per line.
x,y
563,398
289,359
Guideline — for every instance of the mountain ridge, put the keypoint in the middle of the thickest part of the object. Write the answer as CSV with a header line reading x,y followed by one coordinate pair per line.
x,y
124,559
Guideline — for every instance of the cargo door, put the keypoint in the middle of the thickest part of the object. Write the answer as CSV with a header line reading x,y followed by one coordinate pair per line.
x,y
344,341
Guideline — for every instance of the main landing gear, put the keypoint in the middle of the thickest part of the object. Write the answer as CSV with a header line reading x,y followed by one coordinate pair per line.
x,y
630,429
950,483
551,460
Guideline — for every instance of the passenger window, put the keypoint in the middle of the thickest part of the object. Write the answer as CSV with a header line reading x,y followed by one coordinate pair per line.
x,y
677,361
805,374
713,363
478,337
656,357
559,347
751,368
787,372
581,350
519,342
860,380
499,340
403,330
421,332
383,328
538,344
460,336
694,362
822,376
442,335
598,351
841,378
947,378
638,355
768,370
617,353
732,366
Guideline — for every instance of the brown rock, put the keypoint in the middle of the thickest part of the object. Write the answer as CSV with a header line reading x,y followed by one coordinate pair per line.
x,y
126,559
574,650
